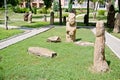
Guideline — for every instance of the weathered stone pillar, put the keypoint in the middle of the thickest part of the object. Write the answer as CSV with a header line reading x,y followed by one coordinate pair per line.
x,y
100,64
71,28
117,24
30,17
64,19
45,18
52,18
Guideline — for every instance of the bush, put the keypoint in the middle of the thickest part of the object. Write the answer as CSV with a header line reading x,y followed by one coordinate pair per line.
x,y
101,12
43,10
17,9
34,10
66,10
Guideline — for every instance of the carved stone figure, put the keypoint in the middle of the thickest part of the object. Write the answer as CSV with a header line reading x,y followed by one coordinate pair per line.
x,y
117,24
100,64
52,18
71,28
45,18
26,16
39,51
30,17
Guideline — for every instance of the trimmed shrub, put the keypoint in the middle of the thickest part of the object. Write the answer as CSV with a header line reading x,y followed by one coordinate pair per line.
x,y
101,12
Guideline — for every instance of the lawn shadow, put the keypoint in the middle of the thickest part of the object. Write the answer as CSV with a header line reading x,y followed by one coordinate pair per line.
x,y
108,62
78,39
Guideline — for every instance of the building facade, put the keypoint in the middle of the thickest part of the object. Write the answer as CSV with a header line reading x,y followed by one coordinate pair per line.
x,y
84,4
33,3
64,4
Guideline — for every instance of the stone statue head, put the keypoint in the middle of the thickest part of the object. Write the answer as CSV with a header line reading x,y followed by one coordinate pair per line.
x,y
71,19
100,30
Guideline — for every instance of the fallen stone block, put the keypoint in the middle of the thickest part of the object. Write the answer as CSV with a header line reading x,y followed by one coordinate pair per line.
x,y
54,39
39,51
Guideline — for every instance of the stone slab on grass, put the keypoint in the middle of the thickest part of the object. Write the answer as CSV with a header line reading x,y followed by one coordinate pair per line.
x,y
54,39
39,51
83,43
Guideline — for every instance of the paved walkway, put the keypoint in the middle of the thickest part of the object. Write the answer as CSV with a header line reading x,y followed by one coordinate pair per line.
x,y
16,39
112,42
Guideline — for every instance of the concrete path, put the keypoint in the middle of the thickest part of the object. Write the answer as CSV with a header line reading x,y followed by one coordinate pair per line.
x,y
112,42
16,39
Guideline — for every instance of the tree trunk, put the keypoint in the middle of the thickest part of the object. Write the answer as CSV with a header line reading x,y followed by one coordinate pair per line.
x,y
119,5
60,9
110,17
95,10
87,13
117,24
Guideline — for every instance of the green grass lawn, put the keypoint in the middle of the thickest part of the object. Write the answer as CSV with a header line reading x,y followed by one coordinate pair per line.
x,y
110,30
8,33
71,63
34,24
116,35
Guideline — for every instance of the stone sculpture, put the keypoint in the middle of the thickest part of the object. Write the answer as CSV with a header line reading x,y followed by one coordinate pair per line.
x,y
100,64
45,18
30,17
117,24
71,28
39,51
26,16
52,18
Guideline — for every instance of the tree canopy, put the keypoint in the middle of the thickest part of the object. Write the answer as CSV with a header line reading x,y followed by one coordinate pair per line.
x,y
12,2
48,3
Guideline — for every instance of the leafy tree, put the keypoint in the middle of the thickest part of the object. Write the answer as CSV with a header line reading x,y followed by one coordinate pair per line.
x,y
12,2
55,6
60,9
48,3
70,5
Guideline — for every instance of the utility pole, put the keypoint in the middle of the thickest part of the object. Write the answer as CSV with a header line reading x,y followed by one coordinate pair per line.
x,y
6,17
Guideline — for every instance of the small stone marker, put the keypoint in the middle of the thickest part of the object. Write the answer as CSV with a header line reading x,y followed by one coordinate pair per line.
x,y
39,51
117,24
71,28
30,17
100,64
54,39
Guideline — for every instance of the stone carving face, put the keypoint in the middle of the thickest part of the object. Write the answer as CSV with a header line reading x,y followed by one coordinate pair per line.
x,y
71,19
100,29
